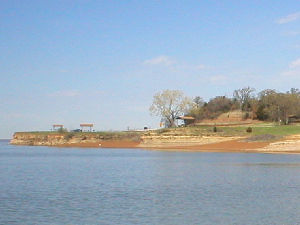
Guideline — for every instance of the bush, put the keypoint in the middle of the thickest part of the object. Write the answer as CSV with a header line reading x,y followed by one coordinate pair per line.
x,y
215,129
62,130
249,130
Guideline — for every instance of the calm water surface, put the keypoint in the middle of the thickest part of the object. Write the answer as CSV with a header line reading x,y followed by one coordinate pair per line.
x,y
42,185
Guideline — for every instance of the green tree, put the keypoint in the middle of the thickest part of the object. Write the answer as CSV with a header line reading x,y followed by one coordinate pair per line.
x,y
278,106
170,104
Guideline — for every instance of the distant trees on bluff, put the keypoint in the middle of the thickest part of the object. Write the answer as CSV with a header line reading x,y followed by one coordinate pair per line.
x,y
267,105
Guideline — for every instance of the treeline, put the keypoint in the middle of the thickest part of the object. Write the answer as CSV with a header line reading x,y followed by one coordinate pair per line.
x,y
267,105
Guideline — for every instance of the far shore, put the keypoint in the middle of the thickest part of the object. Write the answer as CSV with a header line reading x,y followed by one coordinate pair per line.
x,y
289,145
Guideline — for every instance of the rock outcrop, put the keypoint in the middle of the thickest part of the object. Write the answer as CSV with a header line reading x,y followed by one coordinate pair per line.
x,y
49,139
155,140
143,140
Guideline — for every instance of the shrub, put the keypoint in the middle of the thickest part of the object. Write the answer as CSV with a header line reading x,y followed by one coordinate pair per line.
x,y
215,129
249,130
62,130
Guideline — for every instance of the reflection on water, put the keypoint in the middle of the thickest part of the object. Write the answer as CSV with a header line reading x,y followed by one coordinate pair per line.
x,y
41,185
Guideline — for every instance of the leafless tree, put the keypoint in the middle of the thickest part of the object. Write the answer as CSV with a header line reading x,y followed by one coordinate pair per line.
x,y
170,104
243,96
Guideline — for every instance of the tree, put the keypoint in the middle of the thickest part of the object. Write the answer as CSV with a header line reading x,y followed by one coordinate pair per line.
x,y
197,110
294,91
243,96
278,106
199,101
268,105
170,104
216,106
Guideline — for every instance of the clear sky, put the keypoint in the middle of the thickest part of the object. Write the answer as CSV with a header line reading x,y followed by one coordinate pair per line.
x,y
98,61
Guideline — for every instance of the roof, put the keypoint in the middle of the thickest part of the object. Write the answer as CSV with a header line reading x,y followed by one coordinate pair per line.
x,y
185,118
86,125
57,125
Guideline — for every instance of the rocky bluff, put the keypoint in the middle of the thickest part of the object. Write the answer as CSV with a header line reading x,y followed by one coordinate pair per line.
x,y
71,138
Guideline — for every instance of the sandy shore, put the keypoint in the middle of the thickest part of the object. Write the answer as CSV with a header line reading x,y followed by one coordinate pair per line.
x,y
290,144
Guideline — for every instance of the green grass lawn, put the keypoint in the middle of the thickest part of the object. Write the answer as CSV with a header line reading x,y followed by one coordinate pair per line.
x,y
260,129
283,130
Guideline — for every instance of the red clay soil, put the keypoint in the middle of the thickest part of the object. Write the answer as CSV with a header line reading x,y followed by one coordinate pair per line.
x,y
104,144
225,146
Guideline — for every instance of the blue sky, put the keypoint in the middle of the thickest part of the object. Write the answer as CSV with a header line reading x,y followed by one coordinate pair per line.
x,y
86,61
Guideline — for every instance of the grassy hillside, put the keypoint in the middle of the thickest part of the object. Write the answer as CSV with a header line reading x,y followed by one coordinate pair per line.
x,y
261,131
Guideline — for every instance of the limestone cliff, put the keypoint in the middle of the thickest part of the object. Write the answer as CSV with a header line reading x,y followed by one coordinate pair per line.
x,y
41,138
70,138
177,137
156,140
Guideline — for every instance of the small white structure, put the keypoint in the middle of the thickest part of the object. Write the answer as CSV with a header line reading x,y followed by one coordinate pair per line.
x,y
90,125
57,126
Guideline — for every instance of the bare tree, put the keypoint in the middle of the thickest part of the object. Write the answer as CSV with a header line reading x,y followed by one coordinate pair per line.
x,y
199,101
170,104
243,96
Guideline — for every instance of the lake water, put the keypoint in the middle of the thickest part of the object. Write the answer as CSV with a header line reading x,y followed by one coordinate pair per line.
x,y
45,185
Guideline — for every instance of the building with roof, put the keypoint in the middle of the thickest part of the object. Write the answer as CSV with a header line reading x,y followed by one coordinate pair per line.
x,y
90,125
188,120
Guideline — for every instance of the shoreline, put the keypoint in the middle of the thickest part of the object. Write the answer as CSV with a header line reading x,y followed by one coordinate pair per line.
x,y
100,144
288,145
223,146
